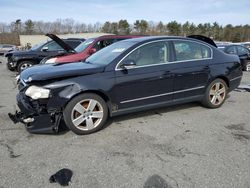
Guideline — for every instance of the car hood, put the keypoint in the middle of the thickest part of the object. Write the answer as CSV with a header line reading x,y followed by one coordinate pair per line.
x,y
19,53
55,71
60,42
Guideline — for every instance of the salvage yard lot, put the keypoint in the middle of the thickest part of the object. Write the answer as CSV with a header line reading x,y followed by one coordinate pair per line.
x,y
183,146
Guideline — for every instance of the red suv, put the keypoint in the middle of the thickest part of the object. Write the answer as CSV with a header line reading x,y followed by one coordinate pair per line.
x,y
87,48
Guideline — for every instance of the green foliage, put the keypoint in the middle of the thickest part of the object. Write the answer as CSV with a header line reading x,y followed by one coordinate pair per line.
x,y
123,27
174,28
141,26
29,27
239,33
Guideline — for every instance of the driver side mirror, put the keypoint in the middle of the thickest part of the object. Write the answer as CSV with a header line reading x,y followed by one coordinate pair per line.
x,y
92,51
128,64
45,49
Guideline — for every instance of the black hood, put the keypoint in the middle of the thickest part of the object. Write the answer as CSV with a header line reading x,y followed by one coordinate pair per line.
x,y
20,53
60,42
204,39
55,71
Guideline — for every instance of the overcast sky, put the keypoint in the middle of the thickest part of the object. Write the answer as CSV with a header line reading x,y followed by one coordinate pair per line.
x,y
234,12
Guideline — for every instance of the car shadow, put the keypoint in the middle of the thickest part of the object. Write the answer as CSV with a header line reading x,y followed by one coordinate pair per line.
x,y
151,112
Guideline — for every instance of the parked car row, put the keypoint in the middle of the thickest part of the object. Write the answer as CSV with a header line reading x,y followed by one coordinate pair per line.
x,y
131,75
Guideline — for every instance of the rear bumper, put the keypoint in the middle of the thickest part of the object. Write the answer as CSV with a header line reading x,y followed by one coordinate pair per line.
x,y
36,119
234,83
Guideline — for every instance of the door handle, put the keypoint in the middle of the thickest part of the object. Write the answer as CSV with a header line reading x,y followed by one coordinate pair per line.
x,y
206,67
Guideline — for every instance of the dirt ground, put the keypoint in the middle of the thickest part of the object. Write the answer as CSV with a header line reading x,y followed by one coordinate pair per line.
x,y
181,146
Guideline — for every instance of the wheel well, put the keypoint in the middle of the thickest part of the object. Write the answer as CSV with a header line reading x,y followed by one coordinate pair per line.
x,y
99,93
225,80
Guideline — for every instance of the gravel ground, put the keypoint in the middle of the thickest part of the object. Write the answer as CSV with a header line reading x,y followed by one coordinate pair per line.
x,y
180,146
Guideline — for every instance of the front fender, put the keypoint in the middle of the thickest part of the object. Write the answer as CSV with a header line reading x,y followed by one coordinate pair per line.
x,y
61,96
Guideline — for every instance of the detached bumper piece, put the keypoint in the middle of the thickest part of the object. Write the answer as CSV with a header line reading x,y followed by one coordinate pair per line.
x,y
35,119
43,123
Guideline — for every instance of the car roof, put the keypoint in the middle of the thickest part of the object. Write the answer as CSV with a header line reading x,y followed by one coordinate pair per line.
x,y
118,36
152,38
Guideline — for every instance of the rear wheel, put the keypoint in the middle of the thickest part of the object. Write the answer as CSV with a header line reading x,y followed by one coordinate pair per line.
x,y
86,113
215,94
24,65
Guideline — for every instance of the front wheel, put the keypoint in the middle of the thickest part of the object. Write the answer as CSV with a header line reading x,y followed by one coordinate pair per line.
x,y
86,113
24,65
215,94
10,67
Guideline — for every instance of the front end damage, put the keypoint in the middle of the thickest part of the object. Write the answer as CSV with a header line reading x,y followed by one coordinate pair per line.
x,y
40,113
36,117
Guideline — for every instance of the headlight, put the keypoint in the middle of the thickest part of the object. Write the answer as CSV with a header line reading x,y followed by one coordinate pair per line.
x,y
52,60
37,92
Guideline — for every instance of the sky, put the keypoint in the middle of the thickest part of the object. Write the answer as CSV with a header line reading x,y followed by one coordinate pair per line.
x,y
235,12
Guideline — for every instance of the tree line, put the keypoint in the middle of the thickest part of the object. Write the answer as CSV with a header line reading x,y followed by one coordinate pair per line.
x,y
238,33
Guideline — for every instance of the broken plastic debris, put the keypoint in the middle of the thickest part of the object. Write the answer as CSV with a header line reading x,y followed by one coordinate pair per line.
x,y
63,177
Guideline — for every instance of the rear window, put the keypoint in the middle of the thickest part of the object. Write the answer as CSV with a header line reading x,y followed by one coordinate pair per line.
x,y
187,50
84,45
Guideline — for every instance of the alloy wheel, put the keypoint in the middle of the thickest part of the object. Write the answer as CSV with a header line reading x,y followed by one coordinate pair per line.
x,y
217,93
25,66
87,114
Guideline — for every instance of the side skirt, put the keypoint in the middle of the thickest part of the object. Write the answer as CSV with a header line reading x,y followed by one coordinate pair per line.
x,y
156,105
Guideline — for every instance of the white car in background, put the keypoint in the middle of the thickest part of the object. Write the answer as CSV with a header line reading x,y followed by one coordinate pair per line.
x,y
7,48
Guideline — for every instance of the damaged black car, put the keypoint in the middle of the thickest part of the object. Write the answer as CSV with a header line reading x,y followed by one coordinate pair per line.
x,y
125,77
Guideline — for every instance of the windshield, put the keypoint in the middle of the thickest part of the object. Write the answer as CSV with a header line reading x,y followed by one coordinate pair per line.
x,y
84,45
108,54
36,46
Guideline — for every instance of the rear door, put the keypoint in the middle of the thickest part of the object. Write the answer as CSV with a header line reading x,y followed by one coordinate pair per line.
x,y
192,71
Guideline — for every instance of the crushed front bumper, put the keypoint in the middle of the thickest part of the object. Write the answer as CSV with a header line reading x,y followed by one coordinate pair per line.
x,y
36,118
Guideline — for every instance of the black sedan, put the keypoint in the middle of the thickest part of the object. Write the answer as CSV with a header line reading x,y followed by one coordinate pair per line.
x,y
128,76
240,50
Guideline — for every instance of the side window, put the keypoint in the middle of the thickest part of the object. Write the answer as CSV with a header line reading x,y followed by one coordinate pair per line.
x,y
231,50
153,53
53,46
186,50
103,43
242,51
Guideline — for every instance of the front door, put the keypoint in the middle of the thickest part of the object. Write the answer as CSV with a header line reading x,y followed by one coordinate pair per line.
x,y
150,81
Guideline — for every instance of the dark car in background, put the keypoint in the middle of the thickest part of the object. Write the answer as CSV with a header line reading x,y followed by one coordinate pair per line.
x,y
241,51
4,48
20,60
87,48
246,44
125,77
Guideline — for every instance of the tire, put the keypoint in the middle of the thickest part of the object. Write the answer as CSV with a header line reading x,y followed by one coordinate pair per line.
x,y
78,114
24,65
9,67
216,93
